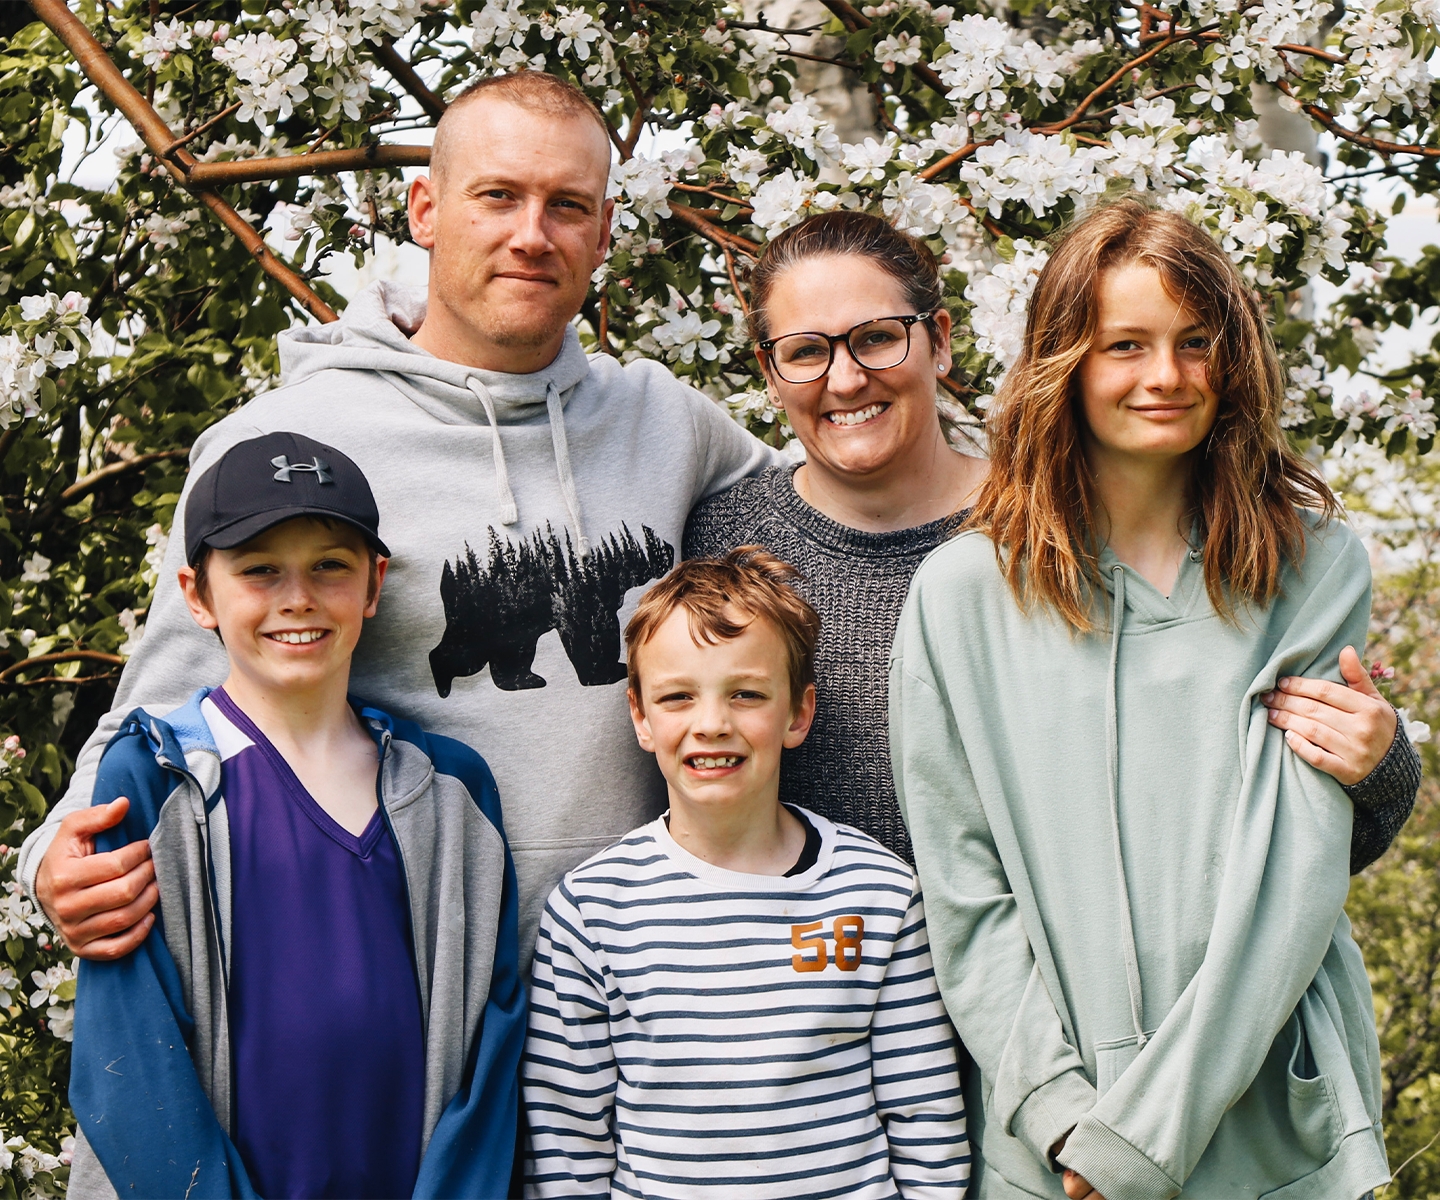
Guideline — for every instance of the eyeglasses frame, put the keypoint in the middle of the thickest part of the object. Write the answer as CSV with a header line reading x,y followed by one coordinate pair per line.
x,y
909,320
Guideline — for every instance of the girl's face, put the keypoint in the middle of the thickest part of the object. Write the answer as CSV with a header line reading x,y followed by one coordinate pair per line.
x,y
1143,385
855,422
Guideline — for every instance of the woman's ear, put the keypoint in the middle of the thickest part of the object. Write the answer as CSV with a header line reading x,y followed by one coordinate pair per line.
x,y
940,339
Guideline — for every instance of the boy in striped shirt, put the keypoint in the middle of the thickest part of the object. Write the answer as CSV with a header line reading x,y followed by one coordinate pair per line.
x,y
737,1000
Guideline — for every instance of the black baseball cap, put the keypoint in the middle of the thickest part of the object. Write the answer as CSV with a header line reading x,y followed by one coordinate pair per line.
x,y
268,480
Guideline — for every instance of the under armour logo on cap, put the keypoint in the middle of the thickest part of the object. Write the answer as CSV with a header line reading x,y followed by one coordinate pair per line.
x,y
318,465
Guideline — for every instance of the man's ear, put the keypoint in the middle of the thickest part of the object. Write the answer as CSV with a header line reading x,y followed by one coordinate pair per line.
x,y
372,603
423,202
193,600
607,221
637,718
801,718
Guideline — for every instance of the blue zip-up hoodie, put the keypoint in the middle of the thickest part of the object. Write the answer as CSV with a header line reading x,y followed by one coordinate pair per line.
x,y
151,1082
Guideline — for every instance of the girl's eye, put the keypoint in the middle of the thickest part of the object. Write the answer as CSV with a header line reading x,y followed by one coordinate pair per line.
x,y
1199,342
1125,345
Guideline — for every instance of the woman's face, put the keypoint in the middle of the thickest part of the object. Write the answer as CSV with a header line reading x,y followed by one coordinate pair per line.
x,y
1144,390
855,422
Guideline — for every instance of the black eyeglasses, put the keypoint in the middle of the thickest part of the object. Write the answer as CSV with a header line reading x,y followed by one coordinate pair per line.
x,y
874,345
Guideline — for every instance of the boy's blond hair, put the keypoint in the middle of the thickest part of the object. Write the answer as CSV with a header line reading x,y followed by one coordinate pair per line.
x,y
749,580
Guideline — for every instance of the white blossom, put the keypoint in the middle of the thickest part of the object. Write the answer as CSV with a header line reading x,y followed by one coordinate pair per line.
x,y
1417,731
9,985
268,85
682,335
866,162
37,569
745,165
1000,298
780,201
645,184
134,632
807,131
1211,89
499,24
901,50
1030,168
331,34
163,40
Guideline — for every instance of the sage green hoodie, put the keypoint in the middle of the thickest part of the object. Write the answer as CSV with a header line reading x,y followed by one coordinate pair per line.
x,y
1134,889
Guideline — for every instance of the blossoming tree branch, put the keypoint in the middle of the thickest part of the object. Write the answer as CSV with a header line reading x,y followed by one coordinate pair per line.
x,y
255,140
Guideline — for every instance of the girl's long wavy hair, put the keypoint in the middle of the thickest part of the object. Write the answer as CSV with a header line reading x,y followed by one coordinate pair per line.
x,y
1038,504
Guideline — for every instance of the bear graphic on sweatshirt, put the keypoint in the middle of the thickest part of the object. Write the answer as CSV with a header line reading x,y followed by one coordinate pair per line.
x,y
497,611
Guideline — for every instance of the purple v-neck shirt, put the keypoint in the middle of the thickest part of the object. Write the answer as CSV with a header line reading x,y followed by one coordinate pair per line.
x,y
325,1023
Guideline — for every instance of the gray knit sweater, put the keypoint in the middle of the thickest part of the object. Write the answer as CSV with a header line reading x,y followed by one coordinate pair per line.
x,y
857,582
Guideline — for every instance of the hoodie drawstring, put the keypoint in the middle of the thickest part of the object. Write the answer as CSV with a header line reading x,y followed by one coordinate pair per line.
x,y
562,463
1112,748
509,510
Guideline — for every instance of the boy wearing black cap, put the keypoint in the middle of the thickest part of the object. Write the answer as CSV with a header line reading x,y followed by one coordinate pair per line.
x,y
337,924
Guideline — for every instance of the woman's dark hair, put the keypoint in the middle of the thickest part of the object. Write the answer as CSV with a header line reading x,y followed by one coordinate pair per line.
x,y
831,234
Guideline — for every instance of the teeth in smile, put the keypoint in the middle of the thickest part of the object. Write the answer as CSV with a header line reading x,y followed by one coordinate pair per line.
x,y
298,639
728,760
858,417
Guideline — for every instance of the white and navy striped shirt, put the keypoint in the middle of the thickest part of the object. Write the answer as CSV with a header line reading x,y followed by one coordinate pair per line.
x,y
697,1032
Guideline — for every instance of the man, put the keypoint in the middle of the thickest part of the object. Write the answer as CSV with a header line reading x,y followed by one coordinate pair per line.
x,y
524,488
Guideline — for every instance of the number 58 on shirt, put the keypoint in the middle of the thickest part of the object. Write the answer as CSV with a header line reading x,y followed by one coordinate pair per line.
x,y
809,940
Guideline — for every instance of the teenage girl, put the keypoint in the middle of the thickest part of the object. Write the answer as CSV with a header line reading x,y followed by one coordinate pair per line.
x,y
1134,887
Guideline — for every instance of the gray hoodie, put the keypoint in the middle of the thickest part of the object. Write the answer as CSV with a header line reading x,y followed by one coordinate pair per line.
x,y
527,514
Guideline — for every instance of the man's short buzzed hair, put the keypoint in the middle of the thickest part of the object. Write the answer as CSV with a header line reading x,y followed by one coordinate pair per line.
x,y
532,90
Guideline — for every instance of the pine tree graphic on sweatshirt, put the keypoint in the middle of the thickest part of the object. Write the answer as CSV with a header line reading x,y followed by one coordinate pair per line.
x,y
497,611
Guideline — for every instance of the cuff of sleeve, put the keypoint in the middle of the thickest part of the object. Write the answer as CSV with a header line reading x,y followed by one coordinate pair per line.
x,y
1112,1166
1050,1110
1395,775
31,854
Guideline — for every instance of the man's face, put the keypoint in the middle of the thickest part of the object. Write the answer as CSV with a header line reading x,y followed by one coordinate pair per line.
x,y
516,224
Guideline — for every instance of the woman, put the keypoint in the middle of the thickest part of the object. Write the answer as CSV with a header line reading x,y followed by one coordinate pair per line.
x,y
880,488
1134,891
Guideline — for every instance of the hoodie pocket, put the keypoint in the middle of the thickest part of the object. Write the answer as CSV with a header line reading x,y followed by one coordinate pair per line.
x,y
1314,1108
1111,1060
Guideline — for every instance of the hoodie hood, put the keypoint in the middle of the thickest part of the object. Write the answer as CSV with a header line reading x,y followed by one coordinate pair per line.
x,y
373,334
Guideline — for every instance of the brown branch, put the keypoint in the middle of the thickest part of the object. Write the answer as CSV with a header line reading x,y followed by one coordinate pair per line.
x,y
711,192
322,162
714,233
958,390
950,160
735,280
186,139
1120,74
99,656
820,58
77,681
602,335
106,76
853,19
1326,55
1327,119
88,483
404,74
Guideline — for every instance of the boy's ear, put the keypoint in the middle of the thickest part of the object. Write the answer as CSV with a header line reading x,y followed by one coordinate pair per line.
x,y
637,718
802,717
372,602
193,600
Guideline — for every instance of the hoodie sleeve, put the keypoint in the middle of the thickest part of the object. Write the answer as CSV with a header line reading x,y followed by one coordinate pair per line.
x,y
988,974
174,655
570,1075
472,1150
133,1086
1284,888
726,451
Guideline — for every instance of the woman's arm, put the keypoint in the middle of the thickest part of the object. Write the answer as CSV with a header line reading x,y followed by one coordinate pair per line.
x,y
1351,732
995,990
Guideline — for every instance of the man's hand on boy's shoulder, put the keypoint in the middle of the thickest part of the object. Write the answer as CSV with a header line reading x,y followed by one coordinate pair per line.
x,y
99,903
